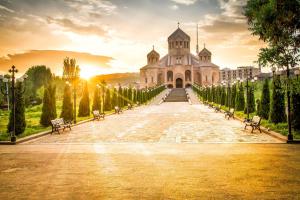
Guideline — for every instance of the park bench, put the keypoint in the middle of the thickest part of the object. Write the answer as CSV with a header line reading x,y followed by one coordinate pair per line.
x,y
218,108
60,123
254,123
98,115
229,113
129,106
118,110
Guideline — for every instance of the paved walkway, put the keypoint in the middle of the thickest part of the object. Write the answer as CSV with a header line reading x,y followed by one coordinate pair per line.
x,y
164,123
154,152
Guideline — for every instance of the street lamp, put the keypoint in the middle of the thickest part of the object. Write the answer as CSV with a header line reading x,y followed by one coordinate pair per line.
x,y
13,71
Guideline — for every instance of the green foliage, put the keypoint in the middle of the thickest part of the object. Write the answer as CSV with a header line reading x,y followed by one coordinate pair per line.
x,y
114,100
223,96
250,101
120,97
277,23
107,102
264,111
96,100
240,99
277,112
84,105
38,76
49,105
233,96
296,105
20,123
67,107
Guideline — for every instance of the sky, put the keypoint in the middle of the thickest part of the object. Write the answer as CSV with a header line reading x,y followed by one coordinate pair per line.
x,y
115,36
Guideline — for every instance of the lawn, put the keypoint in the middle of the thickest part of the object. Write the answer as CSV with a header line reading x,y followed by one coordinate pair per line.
x,y
32,116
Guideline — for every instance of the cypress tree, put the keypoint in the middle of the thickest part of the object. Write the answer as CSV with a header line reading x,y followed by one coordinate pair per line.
x,y
84,105
96,99
20,112
107,101
277,112
67,107
233,96
49,105
265,101
251,101
114,98
228,94
130,95
296,105
120,99
240,98
223,96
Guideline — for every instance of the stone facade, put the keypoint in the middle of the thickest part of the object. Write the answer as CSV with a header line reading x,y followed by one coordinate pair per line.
x,y
179,68
241,73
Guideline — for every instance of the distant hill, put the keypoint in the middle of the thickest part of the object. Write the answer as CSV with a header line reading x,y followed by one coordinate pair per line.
x,y
125,79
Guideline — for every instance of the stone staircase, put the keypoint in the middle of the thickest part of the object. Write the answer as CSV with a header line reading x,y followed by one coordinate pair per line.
x,y
177,95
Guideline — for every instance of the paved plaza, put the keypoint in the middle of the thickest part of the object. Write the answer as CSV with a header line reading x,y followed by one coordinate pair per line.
x,y
167,151
165,123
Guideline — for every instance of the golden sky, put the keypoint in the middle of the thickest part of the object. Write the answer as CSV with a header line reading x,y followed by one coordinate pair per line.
x,y
115,36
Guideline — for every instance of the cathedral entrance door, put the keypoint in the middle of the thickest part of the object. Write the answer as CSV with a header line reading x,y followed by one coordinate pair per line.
x,y
179,83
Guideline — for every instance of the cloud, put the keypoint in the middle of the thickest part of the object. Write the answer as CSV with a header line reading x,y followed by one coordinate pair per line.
x,y
174,7
185,2
52,59
92,6
71,26
6,9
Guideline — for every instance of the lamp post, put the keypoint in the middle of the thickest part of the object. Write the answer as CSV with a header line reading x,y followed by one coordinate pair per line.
x,y
13,71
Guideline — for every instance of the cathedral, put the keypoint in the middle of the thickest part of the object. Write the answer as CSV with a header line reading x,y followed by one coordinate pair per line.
x,y
179,68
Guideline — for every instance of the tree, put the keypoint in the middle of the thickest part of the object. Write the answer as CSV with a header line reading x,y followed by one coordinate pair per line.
x,y
296,105
120,97
223,95
96,100
84,105
49,105
114,98
277,23
20,124
277,112
67,107
251,101
38,76
264,111
107,101
240,98
233,96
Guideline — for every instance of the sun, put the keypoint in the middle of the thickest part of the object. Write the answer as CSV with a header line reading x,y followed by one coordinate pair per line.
x,y
88,71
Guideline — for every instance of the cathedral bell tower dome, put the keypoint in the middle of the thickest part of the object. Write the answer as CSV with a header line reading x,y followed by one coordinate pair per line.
x,y
179,42
204,55
152,57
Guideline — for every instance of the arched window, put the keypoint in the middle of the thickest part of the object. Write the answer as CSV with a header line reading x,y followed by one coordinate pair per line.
x,y
145,80
152,79
187,75
170,76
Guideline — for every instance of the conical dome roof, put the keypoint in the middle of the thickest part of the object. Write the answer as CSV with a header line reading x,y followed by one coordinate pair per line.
x,y
153,53
179,34
204,51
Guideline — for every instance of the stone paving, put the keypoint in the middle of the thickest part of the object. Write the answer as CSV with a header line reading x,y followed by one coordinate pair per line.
x,y
168,151
164,123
